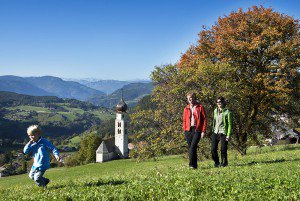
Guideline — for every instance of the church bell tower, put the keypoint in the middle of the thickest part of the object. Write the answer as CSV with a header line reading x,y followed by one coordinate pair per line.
x,y
121,136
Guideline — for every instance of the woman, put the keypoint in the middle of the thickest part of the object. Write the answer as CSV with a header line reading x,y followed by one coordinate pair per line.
x,y
194,126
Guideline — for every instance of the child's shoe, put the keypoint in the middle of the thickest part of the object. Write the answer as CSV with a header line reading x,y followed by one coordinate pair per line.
x,y
46,183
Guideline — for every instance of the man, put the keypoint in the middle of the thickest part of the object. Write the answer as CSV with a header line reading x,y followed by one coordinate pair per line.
x,y
194,126
222,128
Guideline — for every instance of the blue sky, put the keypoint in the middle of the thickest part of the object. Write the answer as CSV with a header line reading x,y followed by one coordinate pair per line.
x,y
107,39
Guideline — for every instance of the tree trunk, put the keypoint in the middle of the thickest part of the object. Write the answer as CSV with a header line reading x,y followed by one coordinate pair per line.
x,y
241,145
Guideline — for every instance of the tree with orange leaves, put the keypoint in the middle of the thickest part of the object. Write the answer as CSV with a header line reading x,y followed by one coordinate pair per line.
x,y
251,58
263,48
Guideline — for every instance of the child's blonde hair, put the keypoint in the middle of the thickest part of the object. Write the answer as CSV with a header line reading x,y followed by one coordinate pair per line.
x,y
34,130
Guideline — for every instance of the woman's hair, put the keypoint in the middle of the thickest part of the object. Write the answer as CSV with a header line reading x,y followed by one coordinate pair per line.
x,y
34,129
191,93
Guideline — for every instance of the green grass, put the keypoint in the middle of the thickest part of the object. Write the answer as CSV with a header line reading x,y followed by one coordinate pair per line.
x,y
75,141
70,114
74,110
272,174
56,117
103,116
31,108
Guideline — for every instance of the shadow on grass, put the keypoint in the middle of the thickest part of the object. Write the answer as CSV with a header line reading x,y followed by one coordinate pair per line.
x,y
88,184
267,162
262,150
101,183
253,163
291,148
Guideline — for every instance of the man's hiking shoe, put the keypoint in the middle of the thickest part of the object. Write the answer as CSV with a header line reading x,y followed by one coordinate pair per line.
x,y
217,165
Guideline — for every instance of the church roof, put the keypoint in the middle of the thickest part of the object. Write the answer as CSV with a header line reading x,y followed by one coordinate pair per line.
x,y
102,148
106,146
121,106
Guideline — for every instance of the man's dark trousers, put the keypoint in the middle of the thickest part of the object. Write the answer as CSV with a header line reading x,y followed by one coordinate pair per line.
x,y
214,149
193,137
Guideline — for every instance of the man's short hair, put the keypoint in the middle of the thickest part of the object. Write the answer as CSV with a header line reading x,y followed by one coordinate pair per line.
x,y
222,99
34,129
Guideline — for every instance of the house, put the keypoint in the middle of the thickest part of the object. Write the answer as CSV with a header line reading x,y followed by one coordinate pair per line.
x,y
2,172
290,136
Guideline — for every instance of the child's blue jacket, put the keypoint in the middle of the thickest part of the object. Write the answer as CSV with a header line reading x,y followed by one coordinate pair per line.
x,y
41,153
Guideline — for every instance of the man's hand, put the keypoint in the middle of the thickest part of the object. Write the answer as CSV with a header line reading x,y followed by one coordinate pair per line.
x,y
202,135
227,139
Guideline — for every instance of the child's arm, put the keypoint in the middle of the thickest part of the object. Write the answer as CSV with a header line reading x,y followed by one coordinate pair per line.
x,y
28,147
54,150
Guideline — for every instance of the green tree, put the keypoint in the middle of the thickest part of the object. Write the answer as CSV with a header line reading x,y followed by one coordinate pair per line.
x,y
88,147
153,133
106,129
5,158
159,124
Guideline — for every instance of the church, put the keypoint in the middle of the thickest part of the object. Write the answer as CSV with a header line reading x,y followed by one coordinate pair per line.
x,y
116,147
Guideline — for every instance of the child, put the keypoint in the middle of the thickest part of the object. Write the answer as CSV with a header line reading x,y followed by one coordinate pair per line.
x,y
40,148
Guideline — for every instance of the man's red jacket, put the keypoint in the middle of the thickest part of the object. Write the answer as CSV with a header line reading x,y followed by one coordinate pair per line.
x,y
199,115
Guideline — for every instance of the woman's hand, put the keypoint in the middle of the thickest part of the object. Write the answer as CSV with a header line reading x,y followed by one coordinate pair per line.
x,y
202,135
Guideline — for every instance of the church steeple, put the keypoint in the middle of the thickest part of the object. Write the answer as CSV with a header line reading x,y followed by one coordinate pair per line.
x,y
121,137
121,106
116,147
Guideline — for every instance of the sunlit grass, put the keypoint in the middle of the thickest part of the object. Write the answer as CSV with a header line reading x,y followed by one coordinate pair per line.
x,y
272,175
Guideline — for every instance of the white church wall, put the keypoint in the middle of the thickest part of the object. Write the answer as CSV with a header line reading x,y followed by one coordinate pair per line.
x,y
121,138
100,158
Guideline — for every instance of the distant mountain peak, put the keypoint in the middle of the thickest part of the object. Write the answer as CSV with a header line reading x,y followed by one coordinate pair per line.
x,y
47,85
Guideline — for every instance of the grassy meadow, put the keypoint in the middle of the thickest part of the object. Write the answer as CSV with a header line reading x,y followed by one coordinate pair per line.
x,y
69,113
268,173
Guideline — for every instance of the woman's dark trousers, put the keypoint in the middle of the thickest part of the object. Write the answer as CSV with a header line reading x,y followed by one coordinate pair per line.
x,y
214,149
193,137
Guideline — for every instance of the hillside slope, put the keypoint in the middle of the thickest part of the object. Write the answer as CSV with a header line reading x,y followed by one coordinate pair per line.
x,y
107,86
20,85
87,91
63,89
59,117
271,173
47,86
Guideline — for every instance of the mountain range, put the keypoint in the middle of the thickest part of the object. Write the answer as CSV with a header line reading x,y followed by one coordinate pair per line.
x,y
131,93
47,86
86,90
107,86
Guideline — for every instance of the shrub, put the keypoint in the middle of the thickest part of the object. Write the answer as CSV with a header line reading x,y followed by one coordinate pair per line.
x,y
71,161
